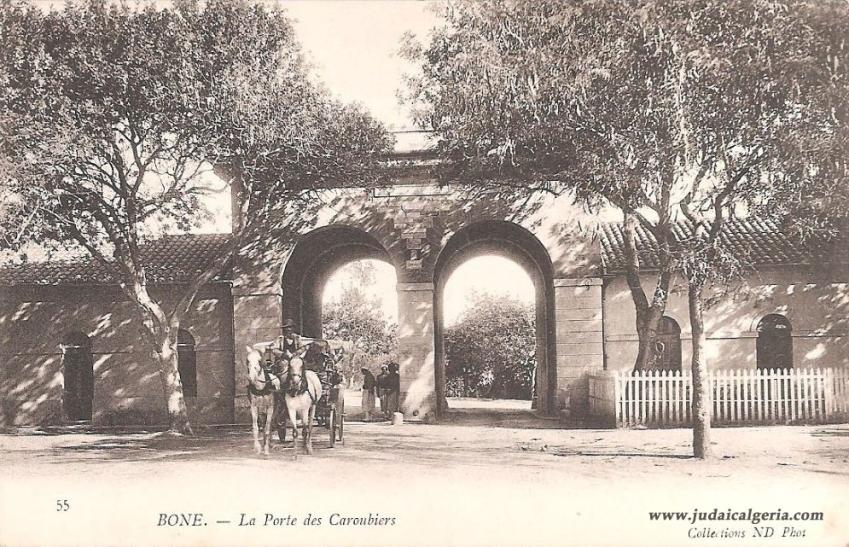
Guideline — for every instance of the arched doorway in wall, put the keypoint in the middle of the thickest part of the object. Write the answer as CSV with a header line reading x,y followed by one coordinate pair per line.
x,y
774,346
514,243
187,363
666,353
333,275
78,377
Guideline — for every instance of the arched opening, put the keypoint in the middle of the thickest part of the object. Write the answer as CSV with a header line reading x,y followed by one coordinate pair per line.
x,y
666,353
775,343
324,287
512,242
78,375
360,305
489,335
187,363
314,259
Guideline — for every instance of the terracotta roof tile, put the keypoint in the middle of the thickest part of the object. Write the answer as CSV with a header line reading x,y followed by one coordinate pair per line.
x,y
175,259
763,242
170,259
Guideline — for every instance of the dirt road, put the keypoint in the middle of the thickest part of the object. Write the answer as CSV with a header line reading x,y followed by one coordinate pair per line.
x,y
476,481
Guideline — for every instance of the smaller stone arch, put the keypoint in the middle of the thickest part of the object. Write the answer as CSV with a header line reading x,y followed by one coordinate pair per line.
x,y
313,260
78,376
757,319
682,321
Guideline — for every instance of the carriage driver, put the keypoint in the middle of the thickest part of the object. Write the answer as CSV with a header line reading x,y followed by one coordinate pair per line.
x,y
289,343
284,346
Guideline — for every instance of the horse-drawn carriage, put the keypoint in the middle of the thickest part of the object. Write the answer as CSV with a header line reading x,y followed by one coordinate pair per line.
x,y
306,383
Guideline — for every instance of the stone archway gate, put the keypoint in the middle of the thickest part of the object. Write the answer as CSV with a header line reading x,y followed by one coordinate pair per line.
x,y
421,228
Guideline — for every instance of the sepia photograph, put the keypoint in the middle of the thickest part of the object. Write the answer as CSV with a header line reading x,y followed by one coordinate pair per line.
x,y
424,273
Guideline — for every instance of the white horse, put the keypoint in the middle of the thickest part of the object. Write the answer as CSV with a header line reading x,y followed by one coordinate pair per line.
x,y
261,394
302,390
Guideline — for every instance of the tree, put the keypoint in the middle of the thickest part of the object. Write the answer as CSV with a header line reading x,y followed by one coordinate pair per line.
x,y
356,317
772,87
117,117
529,97
681,114
491,350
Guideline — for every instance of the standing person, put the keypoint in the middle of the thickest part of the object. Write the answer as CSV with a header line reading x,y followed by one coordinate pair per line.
x,y
393,384
369,389
382,389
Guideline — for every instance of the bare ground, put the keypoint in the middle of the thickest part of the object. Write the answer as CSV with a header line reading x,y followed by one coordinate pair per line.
x,y
484,477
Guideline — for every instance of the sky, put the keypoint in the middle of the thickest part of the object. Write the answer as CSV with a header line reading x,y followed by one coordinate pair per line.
x,y
485,274
353,46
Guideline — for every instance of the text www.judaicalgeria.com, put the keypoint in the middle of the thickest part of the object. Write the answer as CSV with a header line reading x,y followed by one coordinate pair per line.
x,y
754,517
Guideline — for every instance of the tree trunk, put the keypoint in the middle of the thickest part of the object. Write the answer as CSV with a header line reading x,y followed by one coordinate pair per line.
x,y
161,333
701,395
648,314
169,373
646,336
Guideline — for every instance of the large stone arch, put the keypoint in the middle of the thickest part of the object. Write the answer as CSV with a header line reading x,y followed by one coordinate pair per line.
x,y
413,227
313,260
518,244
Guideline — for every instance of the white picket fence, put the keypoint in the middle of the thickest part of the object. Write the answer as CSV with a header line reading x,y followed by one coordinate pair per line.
x,y
778,396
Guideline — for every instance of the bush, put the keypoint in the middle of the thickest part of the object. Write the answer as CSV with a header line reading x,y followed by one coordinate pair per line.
x,y
491,351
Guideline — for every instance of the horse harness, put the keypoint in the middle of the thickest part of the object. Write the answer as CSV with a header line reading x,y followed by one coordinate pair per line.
x,y
301,386
269,386
268,370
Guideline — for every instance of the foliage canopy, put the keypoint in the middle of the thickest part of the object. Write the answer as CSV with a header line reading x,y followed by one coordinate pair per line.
x,y
491,350
116,121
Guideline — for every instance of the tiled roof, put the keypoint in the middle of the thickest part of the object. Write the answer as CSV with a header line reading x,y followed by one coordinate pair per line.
x,y
170,259
762,242
176,259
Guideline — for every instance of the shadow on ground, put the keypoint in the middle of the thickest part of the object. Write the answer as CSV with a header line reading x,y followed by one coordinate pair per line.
x,y
486,417
470,438
415,444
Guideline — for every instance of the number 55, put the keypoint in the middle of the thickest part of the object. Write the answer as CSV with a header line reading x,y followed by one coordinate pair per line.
x,y
62,505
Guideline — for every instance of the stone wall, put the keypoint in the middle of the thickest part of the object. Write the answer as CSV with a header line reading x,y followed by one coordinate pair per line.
x,y
256,318
578,312
127,388
815,302
416,349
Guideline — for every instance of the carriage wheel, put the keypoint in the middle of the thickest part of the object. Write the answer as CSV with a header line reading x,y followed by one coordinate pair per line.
x,y
331,423
341,419
280,418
